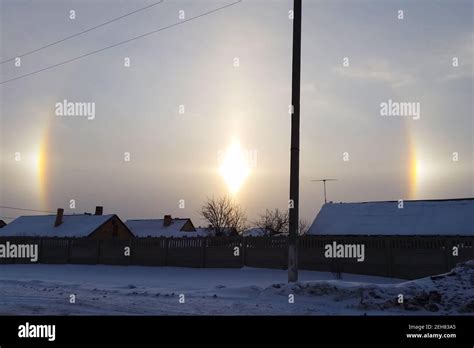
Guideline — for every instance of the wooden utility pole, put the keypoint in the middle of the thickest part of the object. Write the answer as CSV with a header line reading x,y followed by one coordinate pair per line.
x,y
295,145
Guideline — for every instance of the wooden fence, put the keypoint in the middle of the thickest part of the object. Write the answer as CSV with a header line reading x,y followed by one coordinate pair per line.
x,y
398,257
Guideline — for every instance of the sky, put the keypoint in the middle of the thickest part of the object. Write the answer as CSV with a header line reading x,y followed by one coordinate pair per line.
x,y
141,156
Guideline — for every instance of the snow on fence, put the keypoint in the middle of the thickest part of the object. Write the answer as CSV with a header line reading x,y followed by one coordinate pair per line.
x,y
389,256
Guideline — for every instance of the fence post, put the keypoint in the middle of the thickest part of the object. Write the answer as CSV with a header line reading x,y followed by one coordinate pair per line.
x,y
40,247
389,259
447,254
166,250
131,252
243,251
203,251
68,258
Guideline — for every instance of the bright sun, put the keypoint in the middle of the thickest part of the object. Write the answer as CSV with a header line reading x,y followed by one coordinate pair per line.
x,y
234,167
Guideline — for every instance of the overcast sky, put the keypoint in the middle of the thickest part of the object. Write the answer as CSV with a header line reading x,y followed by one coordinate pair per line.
x,y
174,156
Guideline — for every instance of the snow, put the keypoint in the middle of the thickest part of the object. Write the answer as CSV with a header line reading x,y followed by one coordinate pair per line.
x,y
434,217
156,228
108,290
209,232
43,225
254,232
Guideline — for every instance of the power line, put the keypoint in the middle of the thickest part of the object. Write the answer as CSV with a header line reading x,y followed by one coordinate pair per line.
x,y
83,32
122,42
25,209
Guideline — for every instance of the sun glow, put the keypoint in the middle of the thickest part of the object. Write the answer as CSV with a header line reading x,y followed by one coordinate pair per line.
x,y
40,168
414,174
420,169
234,167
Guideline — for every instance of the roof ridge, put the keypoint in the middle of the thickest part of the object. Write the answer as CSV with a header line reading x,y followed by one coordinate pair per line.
x,y
157,219
410,200
22,216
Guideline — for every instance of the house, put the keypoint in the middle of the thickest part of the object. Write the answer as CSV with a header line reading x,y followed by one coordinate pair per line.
x,y
96,226
447,217
262,232
224,231
2,223
166,227
254,232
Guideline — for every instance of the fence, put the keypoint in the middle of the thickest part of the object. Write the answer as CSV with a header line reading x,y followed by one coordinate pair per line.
x,y
393,256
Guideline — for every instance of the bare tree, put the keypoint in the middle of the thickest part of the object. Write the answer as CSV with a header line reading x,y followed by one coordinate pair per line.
x,y
275,221
303,227
222,214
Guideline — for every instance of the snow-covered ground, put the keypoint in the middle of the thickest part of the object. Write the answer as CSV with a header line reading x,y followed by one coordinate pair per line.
x,y
114,290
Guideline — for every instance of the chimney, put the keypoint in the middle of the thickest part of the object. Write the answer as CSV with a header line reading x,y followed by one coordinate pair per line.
x,y
99,210
59,217
167,220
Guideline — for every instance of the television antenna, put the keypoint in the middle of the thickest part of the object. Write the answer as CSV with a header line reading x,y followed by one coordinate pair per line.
x,y
324,184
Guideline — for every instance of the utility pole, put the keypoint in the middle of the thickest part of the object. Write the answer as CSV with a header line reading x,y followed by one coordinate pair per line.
x,y
295,145
324,182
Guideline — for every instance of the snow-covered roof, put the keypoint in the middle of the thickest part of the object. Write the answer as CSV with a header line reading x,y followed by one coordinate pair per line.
x,y
156,228
209,231
43,226
253,232
203,231
428,217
